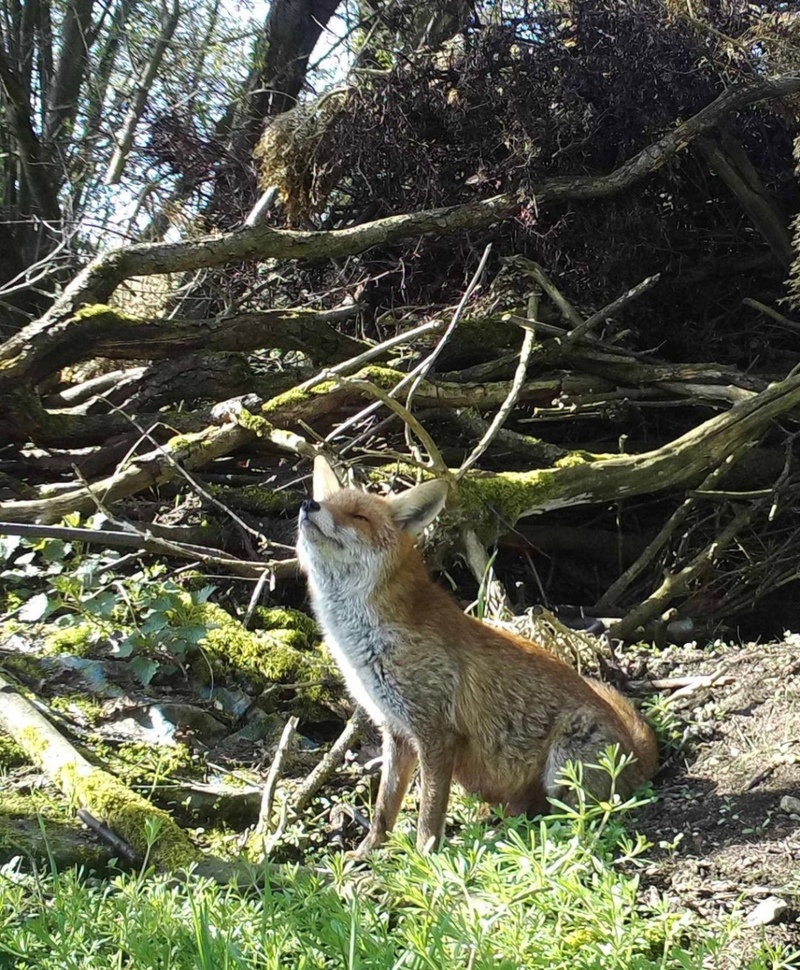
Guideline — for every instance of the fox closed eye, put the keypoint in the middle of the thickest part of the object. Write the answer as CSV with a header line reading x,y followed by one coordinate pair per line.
x,y
362,518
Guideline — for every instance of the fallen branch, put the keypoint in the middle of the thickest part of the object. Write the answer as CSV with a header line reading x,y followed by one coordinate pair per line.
x,y
280,568
675,584
273,777
102,276
330,762
103,331
100,793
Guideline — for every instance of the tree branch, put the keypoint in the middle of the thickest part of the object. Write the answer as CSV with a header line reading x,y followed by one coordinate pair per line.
x,y
102,276
102,331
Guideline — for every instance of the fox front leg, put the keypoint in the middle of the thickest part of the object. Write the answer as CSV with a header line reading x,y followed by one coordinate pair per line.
x,y
436,762
399,761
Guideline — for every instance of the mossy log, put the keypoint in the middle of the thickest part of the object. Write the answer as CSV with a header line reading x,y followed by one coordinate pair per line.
x,y
103,331
509,496
577,479
86,786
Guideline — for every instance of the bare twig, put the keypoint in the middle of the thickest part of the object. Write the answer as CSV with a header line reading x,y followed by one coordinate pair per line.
x,y
779,318
408,418
675,583
150,543
329,763
585,326
273,777
355,362
568,311
120,846
507,406
611,597
415,376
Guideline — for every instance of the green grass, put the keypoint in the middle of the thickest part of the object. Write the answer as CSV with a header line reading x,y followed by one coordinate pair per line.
x,y
561,893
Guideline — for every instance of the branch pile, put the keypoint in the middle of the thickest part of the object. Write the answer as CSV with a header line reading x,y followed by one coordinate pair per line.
x,y
628,198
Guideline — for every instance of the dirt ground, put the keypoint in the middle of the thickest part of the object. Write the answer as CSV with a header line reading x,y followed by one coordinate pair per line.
x,y
725,831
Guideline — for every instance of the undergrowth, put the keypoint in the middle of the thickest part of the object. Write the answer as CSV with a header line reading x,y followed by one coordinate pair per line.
x,y
560,893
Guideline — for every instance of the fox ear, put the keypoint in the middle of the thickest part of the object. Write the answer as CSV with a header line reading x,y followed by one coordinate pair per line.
x,y
419,506
325,482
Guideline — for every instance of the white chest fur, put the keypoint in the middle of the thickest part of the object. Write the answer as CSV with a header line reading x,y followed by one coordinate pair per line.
x,y
363,646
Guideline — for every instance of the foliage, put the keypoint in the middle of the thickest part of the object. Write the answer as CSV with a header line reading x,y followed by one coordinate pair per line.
x,y
564,892
140,614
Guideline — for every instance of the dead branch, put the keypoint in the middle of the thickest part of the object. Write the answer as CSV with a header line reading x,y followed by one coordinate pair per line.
x,y
612,595
675,584
280,568
273,777
100,278
102,331
330,762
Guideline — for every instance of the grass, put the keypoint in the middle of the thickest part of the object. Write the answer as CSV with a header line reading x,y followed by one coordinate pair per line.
x,y
560,893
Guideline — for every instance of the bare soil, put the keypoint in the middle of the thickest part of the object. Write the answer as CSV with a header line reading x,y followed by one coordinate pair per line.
x,y
725,834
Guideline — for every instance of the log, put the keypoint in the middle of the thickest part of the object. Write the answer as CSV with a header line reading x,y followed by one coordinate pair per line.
x,y
103,275
92,788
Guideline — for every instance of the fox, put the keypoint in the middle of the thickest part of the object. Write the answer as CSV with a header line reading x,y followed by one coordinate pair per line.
x,y
465,701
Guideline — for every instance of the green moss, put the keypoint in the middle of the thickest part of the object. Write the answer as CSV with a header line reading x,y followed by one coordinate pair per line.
x,y
37,826
256,423
128,814
255,499
383,377
101,311
88,708
279,655
24,666
580,457
75,640
11,754
477,335
137,763
505,496
286,618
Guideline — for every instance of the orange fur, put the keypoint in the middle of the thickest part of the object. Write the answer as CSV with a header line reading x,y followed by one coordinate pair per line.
x,y
496,712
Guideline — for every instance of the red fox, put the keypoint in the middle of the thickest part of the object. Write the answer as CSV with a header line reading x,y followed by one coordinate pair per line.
x,y
496,712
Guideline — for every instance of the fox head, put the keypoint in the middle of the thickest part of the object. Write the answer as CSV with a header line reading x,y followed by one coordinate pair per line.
x,y
342,531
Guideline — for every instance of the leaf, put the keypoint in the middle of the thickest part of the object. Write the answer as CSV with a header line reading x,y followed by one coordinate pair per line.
x,y
54,550
35,608
145,669
8,545
126,647
202,595
154,623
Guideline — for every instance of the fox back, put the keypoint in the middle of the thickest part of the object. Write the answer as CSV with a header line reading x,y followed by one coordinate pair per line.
x,y
495,711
